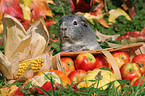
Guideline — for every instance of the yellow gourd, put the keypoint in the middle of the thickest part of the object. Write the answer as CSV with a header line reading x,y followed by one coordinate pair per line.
x,y
103,76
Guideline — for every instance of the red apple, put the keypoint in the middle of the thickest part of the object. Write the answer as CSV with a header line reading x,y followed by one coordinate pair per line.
x,y
121,58
140,60
130,71
137,81
67,64
102,61
85,61
76,75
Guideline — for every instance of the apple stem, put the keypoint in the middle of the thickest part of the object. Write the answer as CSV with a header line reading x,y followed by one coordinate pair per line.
x,y
139,64
90,58
99,76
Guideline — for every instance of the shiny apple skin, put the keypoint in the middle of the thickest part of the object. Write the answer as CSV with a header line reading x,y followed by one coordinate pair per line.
x,y
121,58
130,71
140,59
85,61
67,64
76,75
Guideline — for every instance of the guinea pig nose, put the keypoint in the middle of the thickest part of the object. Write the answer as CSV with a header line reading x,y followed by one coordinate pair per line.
x,y
63,29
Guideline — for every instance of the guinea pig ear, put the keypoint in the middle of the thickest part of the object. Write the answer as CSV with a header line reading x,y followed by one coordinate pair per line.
x,y
84,23
83,20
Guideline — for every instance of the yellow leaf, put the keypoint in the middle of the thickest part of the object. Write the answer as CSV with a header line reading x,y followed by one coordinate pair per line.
x,y
92,18
50,1
114,13
26,12
25,2
1,28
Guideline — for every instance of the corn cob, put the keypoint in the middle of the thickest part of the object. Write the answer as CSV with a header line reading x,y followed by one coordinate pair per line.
x,y
36,66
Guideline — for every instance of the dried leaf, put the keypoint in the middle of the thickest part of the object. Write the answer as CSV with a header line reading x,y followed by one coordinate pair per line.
x,y
103,37
114,13
113,44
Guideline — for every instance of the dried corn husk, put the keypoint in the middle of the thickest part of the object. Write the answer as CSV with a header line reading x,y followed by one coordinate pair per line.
x,y
21,46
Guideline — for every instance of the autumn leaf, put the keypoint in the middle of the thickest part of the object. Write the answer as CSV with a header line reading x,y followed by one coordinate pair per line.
x,y
12,8
113,44
103,37
98,8
40,8
50,1
10,91
82,5
132,37
127,5
92,19
27,12
129,35
115,13
1,28
104,23
143,32
49,22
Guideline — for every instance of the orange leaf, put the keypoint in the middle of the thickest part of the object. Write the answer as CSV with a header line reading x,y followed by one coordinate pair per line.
x,y
143,32
49,22
12,8
104,23
40,8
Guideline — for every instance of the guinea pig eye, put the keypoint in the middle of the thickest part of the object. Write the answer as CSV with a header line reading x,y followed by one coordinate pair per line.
x,y
75,23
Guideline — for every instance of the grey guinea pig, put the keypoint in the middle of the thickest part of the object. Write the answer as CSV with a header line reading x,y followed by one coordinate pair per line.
x,y
76,35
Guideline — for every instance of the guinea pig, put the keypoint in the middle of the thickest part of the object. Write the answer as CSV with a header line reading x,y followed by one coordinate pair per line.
x,y
76,35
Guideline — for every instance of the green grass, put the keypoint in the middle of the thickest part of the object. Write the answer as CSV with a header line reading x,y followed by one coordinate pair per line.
x,y
127,90
122,25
